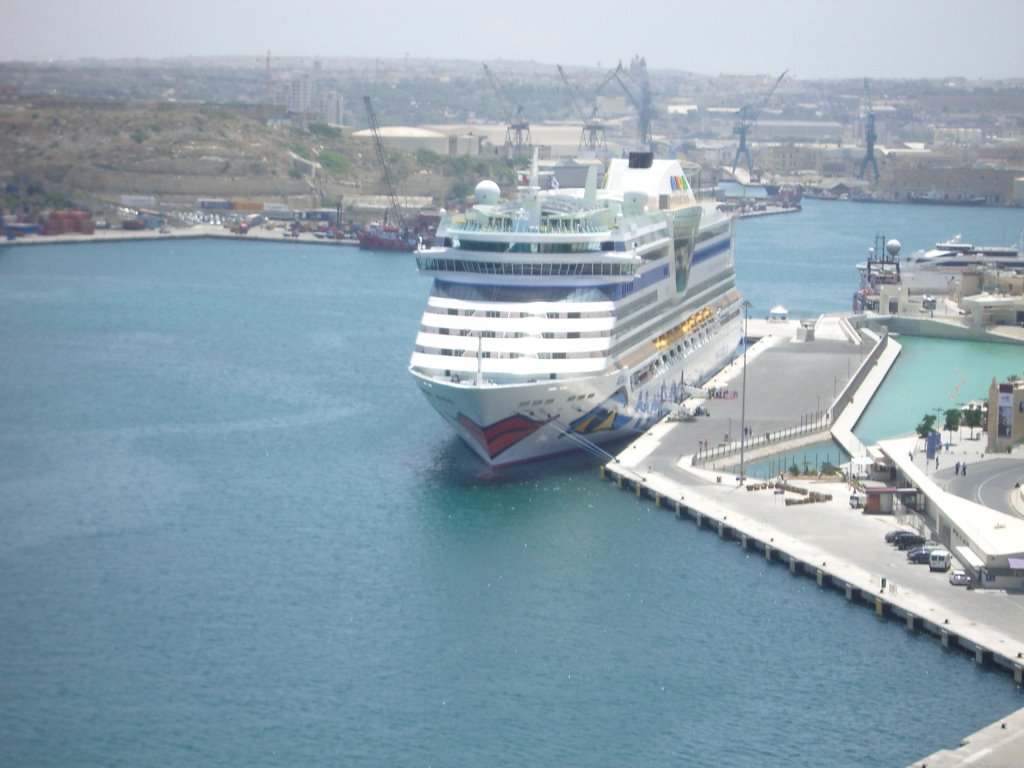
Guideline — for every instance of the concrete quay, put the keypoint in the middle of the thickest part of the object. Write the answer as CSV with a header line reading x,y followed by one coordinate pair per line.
x,y
277,235
789,382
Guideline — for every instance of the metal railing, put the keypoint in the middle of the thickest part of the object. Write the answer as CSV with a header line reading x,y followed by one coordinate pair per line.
x,y
773,438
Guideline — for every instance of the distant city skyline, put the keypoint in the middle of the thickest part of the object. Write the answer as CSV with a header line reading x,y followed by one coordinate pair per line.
x,y
813,39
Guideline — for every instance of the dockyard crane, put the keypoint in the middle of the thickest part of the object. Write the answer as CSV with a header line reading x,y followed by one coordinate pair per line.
x,y
641,102
747,117
592,135
518,141
393,207
870,135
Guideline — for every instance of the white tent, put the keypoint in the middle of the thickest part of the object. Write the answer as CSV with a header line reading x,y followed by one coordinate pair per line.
x,y
778,312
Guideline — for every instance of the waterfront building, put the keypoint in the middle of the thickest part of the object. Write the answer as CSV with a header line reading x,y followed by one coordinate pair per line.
x,y
1005,415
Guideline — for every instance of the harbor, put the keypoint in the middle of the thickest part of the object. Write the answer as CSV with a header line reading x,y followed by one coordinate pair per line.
x,y
186,435
806,391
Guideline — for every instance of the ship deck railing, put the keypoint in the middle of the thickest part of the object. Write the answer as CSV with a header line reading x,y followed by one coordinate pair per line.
x,y
549,227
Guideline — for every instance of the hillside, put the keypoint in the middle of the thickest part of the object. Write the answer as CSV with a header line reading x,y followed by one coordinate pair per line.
x,y
89,153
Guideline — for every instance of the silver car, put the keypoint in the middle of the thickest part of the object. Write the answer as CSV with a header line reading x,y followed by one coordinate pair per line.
x,y
959,578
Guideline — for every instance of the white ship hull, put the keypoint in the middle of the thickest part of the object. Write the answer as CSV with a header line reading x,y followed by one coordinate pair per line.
x,y
512,424
570,319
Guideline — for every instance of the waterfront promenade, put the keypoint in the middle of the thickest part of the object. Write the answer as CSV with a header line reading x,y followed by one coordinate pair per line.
x,y
790,382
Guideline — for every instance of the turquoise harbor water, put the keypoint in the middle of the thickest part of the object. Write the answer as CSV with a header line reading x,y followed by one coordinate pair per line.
x,y
233,533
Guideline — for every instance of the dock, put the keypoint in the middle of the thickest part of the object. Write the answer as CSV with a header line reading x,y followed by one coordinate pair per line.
x,y
805,387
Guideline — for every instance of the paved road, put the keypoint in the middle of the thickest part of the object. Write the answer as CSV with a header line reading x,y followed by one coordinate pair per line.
x,y
988,482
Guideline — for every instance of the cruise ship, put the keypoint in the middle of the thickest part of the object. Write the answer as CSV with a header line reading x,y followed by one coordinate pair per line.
x,y
564,319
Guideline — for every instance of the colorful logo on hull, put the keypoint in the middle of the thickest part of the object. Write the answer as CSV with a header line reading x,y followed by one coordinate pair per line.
x,y
606,416
502,435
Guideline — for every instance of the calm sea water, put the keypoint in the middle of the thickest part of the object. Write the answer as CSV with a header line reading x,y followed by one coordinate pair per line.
x,y
233,533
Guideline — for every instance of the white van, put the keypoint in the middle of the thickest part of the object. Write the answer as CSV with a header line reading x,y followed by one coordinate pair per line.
x,y
939,560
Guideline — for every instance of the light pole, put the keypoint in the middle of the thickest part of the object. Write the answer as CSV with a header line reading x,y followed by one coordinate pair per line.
x,y
743,401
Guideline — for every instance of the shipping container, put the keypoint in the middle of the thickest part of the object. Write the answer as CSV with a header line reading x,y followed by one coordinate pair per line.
x,y
246,205
209,204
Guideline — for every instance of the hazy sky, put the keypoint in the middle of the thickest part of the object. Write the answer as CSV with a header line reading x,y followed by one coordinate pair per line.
x,y
811,38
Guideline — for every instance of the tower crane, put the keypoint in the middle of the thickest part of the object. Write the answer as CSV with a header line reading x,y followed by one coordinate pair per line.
x,y
393,207
641,102
870,135
592,135
518,141
747,117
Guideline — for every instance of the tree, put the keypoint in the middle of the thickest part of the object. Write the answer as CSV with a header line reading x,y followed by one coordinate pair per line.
x,y
972,418
952,421
926,427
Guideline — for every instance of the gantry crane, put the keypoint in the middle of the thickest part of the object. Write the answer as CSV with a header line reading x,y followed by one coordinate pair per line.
x,y
870,135
592,134
747,117
393,207
641,102
518,141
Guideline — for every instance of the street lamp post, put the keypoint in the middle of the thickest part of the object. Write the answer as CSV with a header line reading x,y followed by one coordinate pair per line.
x,y
743,402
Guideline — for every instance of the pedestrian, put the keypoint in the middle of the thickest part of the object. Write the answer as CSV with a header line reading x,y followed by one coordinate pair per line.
x,y
958,468
963,469
936,462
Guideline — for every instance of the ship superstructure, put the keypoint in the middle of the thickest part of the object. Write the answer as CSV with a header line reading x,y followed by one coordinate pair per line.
x,y
569,317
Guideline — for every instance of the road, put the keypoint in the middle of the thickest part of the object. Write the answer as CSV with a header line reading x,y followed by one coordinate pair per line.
x,y
986,482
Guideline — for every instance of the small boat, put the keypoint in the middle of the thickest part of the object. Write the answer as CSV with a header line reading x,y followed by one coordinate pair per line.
x,y
385,237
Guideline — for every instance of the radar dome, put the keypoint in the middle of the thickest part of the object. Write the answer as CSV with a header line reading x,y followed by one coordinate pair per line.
x,y
893,247
487,192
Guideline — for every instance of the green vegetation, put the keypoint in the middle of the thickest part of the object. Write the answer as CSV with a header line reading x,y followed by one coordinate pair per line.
x,y
952,422
302,152
139,136
325,131
335,162
926,427
972,418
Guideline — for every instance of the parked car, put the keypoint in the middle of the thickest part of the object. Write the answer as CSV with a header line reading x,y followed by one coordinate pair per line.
x,y
910,542
892,536
920,556
959,578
